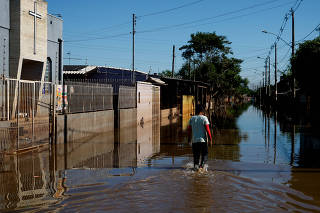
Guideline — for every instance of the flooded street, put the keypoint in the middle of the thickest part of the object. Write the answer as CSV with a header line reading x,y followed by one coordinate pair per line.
x,y
255,165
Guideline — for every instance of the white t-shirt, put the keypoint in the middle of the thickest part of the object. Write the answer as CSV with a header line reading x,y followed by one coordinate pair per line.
x,y
198,123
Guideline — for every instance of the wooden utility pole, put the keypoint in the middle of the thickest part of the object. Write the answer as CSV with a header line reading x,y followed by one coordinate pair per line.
x,y
275,72
189,67
292,55
263,80
173,56
266,78
133,77
260,94
269,90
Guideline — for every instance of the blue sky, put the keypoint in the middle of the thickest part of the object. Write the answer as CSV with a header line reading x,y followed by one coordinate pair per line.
x,y
99,30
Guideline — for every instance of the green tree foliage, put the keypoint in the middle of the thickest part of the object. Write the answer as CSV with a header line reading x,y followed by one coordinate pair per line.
x,y
306,64
166,73
184,71
209,56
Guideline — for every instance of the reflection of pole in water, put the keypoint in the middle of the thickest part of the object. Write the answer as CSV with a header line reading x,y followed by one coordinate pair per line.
x,y
52,166
65,156
293,133
275,138
265,129
268,129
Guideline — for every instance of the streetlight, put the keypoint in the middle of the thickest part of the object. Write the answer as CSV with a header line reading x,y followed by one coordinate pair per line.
x,y
266,32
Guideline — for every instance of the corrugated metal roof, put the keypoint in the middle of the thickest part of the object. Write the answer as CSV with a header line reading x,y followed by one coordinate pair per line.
x,y
157,81
83,70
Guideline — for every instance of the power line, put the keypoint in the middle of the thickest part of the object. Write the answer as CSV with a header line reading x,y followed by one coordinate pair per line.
x,y
98,38
183,24
209,18
237,17
142,16
317,27
264,55
94,32
170,10
285,56
284,23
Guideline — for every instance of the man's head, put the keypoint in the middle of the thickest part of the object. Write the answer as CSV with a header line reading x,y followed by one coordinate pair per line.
x,y
200,110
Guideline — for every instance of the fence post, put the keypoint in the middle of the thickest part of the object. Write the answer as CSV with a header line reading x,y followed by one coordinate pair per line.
x,y
101,92
33,103
18,112
8,103
3,112
53,90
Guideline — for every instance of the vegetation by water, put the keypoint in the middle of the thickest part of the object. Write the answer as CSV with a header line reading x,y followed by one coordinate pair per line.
x,y
225,116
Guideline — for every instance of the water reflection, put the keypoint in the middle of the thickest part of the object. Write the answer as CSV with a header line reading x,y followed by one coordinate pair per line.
x,y
44,175
295,139
252,165
24,180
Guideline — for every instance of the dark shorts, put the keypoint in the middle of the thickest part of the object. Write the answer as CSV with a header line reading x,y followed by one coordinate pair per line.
x,y
200,149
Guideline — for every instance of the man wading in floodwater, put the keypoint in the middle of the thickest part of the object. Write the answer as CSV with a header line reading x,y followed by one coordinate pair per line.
x,y
199,129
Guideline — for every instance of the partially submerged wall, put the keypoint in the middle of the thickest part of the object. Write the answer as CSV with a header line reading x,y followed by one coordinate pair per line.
x,y
85,125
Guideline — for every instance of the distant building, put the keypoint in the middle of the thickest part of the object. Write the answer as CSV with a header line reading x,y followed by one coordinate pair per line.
x,y
84,72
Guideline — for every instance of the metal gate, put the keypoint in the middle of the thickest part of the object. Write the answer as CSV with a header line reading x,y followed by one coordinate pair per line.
x,y
26,109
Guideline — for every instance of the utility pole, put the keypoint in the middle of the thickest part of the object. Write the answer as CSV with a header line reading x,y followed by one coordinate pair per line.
x,y
189,66
194,71
173,56
133,33
318,29
266,78
263,80
275,72
292,55
269,90
260,94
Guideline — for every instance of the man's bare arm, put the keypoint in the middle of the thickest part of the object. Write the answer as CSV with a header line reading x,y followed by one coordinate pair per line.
x,y
209,133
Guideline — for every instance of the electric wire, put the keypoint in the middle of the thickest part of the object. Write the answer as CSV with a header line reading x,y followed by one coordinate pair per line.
x,y
183,24
208,18
309,33
142,16
170,10
98,38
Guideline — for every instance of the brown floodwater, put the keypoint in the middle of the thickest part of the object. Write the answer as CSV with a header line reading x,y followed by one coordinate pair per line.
x,y
257,164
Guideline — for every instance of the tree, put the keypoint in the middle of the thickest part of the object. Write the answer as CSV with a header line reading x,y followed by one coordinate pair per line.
x,y
205,45
306,64
209,55
166,73
185,71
